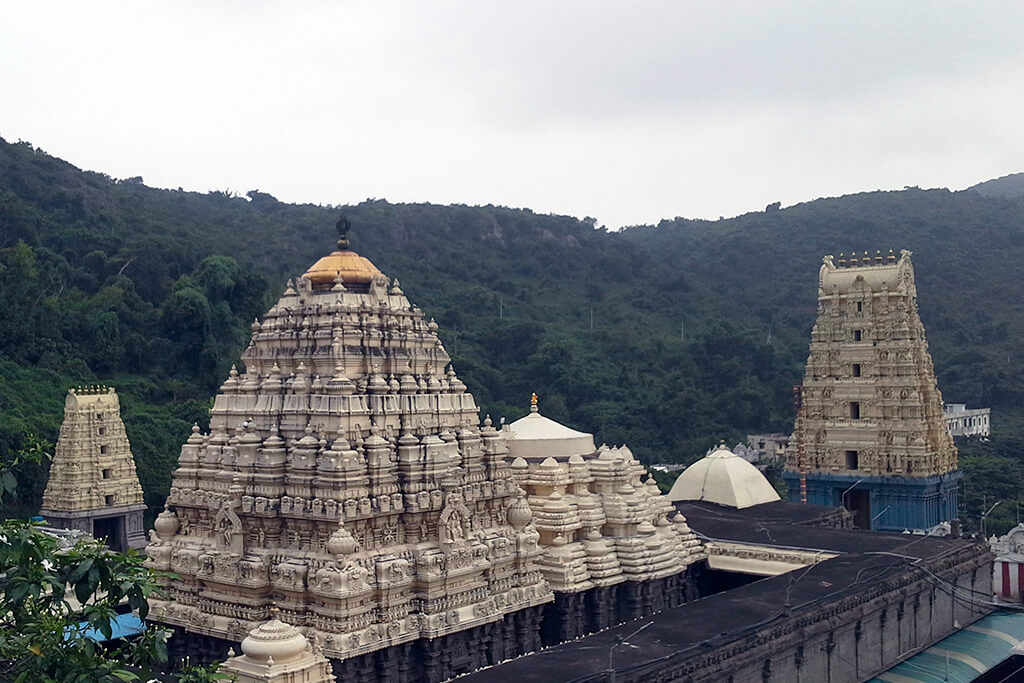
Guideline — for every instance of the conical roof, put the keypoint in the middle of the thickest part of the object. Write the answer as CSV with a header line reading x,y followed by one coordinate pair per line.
x,y
723,478
536,437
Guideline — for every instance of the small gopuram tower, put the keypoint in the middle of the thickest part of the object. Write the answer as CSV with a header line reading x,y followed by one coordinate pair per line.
x,y
93,486
346,480
870,433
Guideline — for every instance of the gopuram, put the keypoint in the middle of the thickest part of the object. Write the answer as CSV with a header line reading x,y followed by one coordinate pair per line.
x,y
870,432
345,480
93,486
615,548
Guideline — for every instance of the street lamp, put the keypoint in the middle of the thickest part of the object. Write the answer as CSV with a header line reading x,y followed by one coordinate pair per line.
x,y
984,536
843,497
619,640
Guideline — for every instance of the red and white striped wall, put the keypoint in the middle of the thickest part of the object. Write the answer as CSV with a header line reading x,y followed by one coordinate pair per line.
x,y
1008,579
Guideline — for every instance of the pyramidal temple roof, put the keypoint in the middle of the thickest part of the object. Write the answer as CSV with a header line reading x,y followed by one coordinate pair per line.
x,y
723,478
345,479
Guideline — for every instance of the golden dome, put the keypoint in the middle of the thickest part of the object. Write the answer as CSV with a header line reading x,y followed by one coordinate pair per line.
x,y
352,268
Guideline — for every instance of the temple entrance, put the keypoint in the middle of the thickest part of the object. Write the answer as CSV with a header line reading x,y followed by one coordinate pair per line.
x,y
858,501
110,530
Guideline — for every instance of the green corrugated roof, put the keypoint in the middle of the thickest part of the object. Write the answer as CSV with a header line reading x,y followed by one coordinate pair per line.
x,y
965,655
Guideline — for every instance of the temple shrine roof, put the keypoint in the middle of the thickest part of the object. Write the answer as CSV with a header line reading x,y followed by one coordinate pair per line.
x,y
724,478
538,437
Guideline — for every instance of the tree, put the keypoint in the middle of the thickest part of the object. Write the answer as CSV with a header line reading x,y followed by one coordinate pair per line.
x,y
55,593
43,635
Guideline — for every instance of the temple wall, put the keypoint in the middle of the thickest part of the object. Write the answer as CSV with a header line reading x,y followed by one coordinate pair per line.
x,y
846,641
570,616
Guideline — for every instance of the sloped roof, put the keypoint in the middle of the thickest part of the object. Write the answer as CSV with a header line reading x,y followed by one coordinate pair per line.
x,y
723,478
536,436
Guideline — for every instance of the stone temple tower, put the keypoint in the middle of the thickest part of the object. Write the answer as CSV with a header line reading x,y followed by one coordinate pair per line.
x,y
93,486
346,480
870,433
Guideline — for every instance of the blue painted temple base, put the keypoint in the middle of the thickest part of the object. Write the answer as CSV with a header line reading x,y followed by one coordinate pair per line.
x,y
883,503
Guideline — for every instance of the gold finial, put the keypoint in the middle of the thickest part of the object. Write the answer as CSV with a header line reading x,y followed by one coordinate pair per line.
x,y
533,403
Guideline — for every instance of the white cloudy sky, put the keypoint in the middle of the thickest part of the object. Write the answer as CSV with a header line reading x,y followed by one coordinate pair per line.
x,y
629,112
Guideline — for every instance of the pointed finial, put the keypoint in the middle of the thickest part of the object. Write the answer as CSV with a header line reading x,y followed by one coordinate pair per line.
x,y
343,226
533,403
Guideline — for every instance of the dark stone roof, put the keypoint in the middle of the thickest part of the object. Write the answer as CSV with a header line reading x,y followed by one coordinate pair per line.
x,y
865,558
788,525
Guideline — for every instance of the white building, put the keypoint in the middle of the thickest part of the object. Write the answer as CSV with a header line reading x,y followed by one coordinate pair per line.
x,y
962,421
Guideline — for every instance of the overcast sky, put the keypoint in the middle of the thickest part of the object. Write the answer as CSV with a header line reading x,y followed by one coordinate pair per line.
x,y
629,112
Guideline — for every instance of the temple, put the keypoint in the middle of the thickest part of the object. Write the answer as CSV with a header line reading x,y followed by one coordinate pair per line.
x,y
345,483
614,547
93,486
870,433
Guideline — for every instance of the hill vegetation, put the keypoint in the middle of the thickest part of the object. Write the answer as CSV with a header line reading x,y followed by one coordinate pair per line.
x,y
664,337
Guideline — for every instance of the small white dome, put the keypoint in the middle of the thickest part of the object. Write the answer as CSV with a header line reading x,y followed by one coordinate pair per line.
x,y
536,437
723,478
276,639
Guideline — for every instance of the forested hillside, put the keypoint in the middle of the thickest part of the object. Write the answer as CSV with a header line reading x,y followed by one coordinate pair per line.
x,y
665,337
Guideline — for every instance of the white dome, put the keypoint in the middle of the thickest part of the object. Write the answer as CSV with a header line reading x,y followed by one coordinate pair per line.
x,y
536,437
723,478
275,639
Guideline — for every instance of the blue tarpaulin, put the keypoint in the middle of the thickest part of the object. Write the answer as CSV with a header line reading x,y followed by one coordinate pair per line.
x,y
121,626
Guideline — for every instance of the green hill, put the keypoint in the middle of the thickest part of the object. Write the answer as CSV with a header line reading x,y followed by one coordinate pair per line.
x,y
1007,187
665,337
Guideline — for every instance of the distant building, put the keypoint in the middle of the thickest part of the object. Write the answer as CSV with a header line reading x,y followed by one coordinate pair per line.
x,y
870,434
964,421
93,486
767,446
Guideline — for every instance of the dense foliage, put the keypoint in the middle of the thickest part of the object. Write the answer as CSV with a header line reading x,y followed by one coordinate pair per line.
x,y
665,337
59,598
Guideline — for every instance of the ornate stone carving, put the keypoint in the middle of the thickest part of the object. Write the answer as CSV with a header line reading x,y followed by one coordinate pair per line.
x,y
344,477
92,477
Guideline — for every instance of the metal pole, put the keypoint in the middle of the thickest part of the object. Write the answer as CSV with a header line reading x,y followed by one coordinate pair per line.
x,y
984,534
801,452
621,641
843,497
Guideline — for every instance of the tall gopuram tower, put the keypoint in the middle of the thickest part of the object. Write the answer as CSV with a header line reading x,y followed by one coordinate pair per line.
x,y
870,433
93,486
345,480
